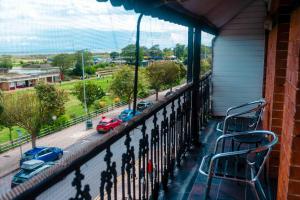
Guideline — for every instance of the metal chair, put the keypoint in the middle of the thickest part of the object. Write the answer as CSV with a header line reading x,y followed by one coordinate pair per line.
x,y
243,165
245,118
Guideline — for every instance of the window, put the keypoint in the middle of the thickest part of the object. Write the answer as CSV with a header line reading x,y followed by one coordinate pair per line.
x,y
44,152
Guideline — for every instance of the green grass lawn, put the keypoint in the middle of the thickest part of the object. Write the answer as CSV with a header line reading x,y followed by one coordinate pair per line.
x,y
4,134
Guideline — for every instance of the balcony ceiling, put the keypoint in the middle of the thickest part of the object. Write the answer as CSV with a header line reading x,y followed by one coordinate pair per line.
x,y
211,15
217,12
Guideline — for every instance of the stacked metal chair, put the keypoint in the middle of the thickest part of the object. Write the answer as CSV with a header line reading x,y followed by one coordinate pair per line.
x,y
236,164
245,117
240,165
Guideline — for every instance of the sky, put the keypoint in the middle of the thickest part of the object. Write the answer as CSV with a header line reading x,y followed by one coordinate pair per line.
x,y
55,26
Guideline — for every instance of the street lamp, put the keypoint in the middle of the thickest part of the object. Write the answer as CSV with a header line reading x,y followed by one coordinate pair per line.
x,y
20,145
89,122
137,57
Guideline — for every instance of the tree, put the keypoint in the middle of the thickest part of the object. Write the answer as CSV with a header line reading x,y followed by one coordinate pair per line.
x,y
4,120
123,83
88,61
63,61
155,51
160,74
144,50
32,110
128,54
90,70
113,55
206,51
167,52
179,51
156,74
172,74
93,92
52,100
1,106
205,65
24,109
182,70
6,62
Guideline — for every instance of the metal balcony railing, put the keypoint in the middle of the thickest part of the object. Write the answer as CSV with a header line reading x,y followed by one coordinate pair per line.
x,y
134,161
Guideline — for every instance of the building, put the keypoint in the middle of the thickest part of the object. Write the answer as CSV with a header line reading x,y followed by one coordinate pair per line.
x,y
19,77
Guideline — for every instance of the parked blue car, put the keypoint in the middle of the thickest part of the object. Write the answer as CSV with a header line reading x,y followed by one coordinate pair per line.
x,y
46,154
127,115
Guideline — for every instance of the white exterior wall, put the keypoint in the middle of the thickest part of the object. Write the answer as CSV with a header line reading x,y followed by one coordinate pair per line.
x,y
238,64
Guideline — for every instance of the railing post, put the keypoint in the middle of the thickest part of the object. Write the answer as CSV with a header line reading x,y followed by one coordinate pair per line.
x,y
196,81
190,54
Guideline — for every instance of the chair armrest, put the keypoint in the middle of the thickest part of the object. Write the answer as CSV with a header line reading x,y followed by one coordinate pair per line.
x,y
261,101
239,114
214,158
201,170
232,135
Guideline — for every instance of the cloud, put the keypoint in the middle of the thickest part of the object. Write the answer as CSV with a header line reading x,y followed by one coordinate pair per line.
x,y
33,21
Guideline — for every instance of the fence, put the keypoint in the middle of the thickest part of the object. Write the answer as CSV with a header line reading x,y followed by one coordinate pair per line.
x,y
49,130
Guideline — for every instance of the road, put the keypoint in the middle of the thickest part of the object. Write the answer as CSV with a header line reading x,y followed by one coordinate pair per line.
x,y
67,139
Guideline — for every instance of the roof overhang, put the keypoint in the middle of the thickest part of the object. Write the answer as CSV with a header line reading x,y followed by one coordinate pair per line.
x,y
209,15
168,10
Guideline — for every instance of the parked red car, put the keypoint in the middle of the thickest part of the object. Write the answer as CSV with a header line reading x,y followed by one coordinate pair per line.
x,y
106,124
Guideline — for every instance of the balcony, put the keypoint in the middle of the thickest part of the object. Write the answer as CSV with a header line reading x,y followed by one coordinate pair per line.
x,y
157,155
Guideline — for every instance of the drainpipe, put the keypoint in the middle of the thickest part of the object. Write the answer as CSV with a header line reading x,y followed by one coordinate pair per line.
x,y
137,56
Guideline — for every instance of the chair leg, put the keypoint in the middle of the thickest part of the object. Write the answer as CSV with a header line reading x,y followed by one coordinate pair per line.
x,y
232,144
208,186
261,190
267,179
239,146
254,189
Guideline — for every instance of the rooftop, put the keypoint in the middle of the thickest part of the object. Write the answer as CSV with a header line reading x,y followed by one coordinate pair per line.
x,y
21,73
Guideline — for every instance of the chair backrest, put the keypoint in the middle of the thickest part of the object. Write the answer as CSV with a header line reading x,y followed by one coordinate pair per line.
x,y
256,157
245,117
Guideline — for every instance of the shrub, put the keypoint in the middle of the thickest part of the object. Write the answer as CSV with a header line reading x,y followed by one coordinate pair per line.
x,y
143,93
99,104
101,65
60,121
117,100
72,116
91,70
102,104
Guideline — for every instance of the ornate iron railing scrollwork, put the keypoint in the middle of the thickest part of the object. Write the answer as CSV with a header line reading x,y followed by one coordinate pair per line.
x,y
81,193
108,177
